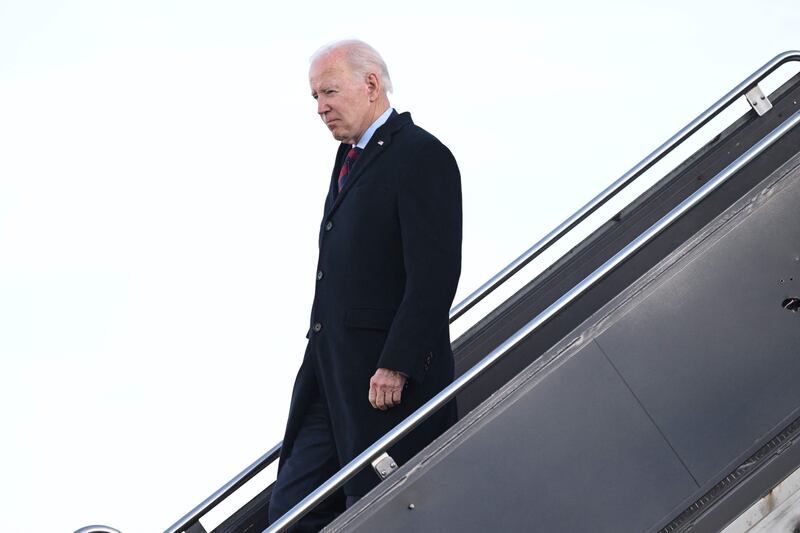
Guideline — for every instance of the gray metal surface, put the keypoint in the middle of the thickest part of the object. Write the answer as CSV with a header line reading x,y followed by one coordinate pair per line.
x,y
548,460
711,353
713,311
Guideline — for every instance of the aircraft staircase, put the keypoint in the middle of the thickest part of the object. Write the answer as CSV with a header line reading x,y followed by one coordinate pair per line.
x,y
647,381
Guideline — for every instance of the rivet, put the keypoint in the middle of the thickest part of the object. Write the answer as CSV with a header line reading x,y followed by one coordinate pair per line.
x,y
411,506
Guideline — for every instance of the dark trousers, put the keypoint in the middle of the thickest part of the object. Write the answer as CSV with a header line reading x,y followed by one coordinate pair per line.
x,y
312,461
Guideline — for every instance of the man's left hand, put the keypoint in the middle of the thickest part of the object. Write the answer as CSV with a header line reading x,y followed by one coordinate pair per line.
x,y
386,388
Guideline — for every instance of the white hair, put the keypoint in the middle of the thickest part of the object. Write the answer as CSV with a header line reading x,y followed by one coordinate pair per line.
x,y
362,58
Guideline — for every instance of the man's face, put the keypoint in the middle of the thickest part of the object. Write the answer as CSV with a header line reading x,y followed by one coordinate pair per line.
x,y
345,104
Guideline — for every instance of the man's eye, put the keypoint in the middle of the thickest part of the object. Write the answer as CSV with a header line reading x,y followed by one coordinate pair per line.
x,y
329,92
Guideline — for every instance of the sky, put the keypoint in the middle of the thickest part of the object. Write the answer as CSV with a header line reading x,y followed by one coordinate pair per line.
x,y
162,177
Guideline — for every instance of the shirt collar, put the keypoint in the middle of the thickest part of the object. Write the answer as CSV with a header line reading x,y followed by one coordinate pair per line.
x,y
380,121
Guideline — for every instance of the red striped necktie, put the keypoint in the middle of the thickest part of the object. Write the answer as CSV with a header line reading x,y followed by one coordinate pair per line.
x,y
352,155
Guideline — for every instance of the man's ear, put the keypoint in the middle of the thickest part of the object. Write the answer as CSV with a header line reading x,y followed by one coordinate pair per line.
x,y
373,86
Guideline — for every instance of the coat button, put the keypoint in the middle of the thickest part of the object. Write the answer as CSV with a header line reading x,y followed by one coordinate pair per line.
x,y
320,275
328,226
317,327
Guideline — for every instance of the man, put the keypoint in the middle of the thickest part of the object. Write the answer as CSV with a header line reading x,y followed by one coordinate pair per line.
x,y
389,262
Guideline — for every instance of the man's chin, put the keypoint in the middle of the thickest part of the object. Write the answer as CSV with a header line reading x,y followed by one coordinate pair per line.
x,y
343,138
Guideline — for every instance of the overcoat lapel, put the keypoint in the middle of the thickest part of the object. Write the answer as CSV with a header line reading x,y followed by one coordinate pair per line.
x,y
377,145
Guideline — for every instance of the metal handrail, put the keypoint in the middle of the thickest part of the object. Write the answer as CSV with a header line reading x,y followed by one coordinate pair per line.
x,y
626,179
435,403
529,255
226,490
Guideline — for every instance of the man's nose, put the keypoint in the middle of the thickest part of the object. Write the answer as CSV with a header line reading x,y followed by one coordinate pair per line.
x,y
322,106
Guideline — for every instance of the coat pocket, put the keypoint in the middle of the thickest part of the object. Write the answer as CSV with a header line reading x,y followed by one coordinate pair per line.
x,y
363,318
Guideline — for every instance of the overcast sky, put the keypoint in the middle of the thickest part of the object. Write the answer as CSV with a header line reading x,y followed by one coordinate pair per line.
x,y
162,176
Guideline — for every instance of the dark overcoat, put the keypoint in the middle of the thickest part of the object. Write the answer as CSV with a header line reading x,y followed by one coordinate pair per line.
x,y
389,262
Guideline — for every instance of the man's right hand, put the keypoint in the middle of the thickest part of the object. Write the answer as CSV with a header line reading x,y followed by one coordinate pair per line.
x,y
386,388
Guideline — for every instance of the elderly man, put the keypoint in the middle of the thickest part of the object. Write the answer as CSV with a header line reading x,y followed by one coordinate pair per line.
x,y
389,262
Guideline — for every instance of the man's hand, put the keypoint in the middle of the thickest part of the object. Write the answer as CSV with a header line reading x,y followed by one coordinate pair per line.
x,y
386,388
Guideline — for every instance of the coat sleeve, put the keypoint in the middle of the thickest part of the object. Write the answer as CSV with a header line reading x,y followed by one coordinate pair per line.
x,y
429,212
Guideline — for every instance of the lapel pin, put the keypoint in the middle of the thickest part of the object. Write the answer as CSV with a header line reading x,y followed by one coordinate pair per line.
x,y
380,143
